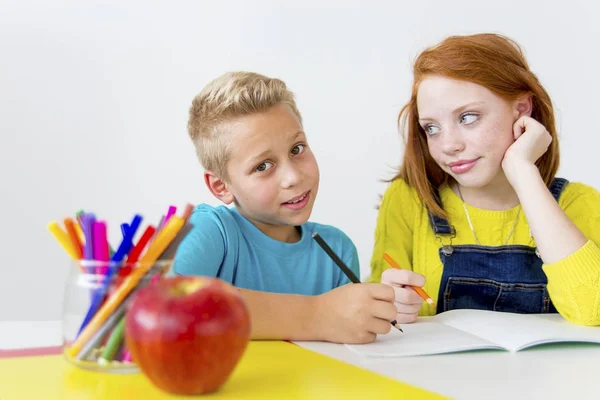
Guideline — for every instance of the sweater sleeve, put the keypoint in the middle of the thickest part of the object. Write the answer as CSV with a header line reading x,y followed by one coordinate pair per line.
x,y
394,229
574,281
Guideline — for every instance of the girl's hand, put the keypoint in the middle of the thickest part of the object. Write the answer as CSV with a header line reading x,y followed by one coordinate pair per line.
x,y
407,301
531,142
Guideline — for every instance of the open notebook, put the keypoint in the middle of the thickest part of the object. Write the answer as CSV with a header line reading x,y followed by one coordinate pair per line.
x,y
463,330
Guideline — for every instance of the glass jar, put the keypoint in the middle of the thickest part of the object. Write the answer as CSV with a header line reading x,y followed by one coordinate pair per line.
x,y
95,302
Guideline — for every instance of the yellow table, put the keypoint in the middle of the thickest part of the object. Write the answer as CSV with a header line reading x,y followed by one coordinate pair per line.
x,y
268,370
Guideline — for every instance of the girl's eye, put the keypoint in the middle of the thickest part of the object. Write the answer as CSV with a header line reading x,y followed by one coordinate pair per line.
x,y
431,129
262,167
468,118
297,149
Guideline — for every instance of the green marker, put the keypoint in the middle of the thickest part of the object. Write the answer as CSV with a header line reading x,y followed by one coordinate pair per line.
x,y
114,341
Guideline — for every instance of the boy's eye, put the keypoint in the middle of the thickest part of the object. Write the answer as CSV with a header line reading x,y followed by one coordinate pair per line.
x,y
431,129
468,118
297,149
262,167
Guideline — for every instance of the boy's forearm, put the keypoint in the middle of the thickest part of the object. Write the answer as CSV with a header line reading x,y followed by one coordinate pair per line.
x,y
282,316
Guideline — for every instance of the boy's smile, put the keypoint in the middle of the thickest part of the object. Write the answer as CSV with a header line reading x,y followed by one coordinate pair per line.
x,y
273,174
298,202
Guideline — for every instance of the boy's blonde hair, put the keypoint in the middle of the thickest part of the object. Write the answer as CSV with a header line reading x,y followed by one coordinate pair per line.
x,y
229,96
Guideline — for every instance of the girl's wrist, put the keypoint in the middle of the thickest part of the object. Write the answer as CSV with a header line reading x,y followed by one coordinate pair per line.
x,y
520,173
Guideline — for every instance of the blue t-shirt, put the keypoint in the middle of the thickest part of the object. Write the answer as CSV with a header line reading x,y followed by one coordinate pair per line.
x,y
224,244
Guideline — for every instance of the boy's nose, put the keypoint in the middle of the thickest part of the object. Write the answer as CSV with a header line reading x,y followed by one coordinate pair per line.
x,y
291,176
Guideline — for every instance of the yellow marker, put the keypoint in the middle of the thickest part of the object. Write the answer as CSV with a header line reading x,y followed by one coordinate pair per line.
x,y
63,238
167,235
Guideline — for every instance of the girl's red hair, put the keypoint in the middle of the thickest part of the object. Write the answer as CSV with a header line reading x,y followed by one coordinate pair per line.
x,y
490,60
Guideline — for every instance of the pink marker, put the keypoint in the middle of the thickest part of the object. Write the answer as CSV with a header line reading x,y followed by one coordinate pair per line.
x,y
126,356
170,212
101,251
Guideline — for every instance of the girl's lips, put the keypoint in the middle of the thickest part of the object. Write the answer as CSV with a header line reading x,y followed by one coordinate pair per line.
x,y
460,167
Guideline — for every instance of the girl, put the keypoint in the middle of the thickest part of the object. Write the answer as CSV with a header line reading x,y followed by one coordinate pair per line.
x,y
476,215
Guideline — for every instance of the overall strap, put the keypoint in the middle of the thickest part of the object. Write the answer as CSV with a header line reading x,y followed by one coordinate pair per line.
x,y
557,186
440,226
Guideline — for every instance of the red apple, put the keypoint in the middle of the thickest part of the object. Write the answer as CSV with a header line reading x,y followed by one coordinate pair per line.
x,y
187,333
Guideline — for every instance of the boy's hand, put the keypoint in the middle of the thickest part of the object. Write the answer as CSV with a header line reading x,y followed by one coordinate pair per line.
x,y
407,301
355,313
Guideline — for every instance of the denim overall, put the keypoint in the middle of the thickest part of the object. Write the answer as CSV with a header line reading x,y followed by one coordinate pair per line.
x,y
505,278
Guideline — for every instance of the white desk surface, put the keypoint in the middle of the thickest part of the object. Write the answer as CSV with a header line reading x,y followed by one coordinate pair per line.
x,y
559,371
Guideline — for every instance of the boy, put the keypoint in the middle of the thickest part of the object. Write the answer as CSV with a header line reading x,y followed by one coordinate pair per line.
x,y
248,135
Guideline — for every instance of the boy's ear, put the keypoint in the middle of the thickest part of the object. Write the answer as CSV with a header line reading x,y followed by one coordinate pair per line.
x,y
218,187
523,106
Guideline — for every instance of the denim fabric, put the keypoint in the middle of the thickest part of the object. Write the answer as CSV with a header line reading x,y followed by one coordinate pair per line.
x,y
501,278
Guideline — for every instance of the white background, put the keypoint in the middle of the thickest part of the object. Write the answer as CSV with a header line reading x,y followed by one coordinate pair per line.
x,y
94,99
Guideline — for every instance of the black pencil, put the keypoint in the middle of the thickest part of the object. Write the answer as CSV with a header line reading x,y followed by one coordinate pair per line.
x,y
347,271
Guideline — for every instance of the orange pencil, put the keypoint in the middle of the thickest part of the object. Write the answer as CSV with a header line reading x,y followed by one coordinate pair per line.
x,y
417,289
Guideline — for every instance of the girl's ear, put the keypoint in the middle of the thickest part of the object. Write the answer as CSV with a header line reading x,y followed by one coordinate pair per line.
x,y
523,106
218,187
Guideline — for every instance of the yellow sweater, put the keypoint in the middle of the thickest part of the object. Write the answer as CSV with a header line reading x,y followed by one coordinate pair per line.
x,y
403,231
